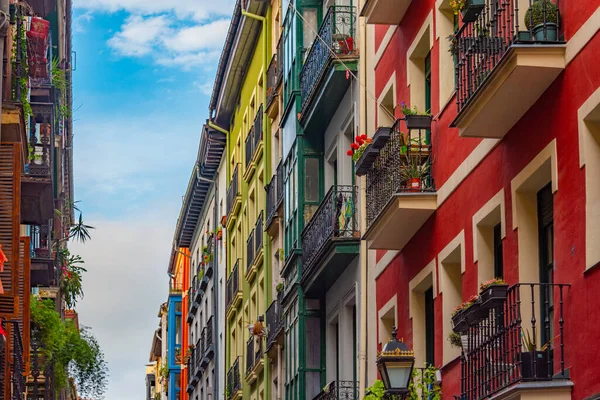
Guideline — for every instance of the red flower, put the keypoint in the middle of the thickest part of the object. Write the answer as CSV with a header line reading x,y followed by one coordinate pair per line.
x,y
349,153
355,146
357,138
363,137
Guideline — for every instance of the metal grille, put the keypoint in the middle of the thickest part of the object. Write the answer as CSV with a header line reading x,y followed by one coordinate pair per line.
x,y
233,190
494,355
480,45
336,218
339,390
338,33
274,194
250,354
233,283
233,378
249,147
250,251
403,153
258,235
41,139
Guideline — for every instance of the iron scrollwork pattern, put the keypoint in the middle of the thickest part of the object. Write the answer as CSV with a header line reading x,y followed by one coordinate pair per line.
x,y
339,390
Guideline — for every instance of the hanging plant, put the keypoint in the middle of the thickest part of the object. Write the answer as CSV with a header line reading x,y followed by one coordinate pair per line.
x,y
358,147
71,277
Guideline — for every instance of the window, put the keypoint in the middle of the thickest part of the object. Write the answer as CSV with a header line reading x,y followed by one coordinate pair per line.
x,y
387,102
498,260
488,233
429,328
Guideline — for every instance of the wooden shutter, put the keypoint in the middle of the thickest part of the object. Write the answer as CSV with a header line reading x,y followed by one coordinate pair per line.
x,y
10,216
23,294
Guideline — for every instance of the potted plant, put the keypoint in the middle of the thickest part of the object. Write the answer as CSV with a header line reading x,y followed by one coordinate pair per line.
x,y
493,293
223,220
470,9
458,340
534,362
219,233
414,118
541,20
476,312
413,171
279,287
362,154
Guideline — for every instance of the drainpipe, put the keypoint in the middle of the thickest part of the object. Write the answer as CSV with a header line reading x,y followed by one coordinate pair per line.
x,y
216,296
364,257
266,168
4,10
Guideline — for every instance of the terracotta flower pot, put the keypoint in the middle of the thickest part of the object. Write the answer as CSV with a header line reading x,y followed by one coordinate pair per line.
x,y
415,184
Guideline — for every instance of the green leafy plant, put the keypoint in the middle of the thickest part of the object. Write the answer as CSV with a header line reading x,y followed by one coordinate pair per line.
x,y
164,371
453,48
406,110
541,11
22,82
457,5
207,256
414,167
75,352
71,277
375,392
424,384
491,282
454,339
200,273
358,147
279,288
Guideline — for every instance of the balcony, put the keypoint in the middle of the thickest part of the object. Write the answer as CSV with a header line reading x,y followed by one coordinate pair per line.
x,y
234,197
198,357
497,361
193,303
234,383
210,266
323,80
234,292
385,12
331,239
254,249
274,79
275,324
37,197
193,379
254,360
400,190
501,69
12,356
250,270
249,147
209,345
274,200
337,390
42,264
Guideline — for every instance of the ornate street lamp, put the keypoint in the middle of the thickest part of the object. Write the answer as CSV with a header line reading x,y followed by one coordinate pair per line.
x,y
395,364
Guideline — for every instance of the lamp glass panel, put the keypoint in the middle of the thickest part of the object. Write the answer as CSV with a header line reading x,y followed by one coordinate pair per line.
x,y
399,374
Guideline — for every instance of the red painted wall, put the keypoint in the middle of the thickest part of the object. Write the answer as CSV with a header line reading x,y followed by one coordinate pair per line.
x,y
554,116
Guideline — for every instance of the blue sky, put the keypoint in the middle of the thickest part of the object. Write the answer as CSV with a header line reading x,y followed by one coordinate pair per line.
x,y
144,74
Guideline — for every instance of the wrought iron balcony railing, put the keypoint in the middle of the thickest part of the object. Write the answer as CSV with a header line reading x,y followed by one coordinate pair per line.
x,y
198,353
249,147
273,77
210,340
482,43
337,33
11,356
250,251
258,234
274,194
234,382
41,140
18,71
274,321
404,158
495,350
233,190
257,129
233,283
335,219
337,390
41,378
250,354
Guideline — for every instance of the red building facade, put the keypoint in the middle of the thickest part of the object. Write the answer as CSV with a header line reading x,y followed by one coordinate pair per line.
x,y
512,189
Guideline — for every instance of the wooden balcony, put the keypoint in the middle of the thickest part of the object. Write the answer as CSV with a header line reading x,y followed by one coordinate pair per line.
x,y
397,205
385,12
331,239
323,80
37,196
503,67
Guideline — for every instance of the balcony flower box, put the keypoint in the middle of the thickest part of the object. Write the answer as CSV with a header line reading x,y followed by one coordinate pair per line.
x,y
493,295
475,313
365,161
459,323
381,137
418,121
472,10
534,365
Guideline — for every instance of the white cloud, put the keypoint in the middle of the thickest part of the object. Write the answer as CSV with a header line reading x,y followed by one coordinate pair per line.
x,y
205,88
80,21
183,9
170,43
138,35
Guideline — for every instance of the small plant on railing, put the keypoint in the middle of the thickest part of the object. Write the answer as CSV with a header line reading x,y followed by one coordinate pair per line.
x,y
491,282
200,274
414,170
542,15
358,147
207,256
465,305
21,81
457,6
530,345
279,287
406,110
453,48
454,339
